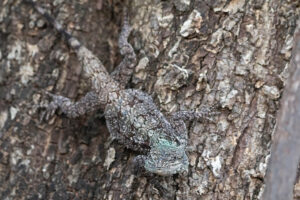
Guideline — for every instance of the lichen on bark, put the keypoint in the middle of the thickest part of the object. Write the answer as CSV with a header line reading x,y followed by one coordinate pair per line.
x,y
234,54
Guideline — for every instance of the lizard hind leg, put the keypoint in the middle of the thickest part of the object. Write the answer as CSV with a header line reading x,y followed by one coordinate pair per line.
x,y
86,104
124,70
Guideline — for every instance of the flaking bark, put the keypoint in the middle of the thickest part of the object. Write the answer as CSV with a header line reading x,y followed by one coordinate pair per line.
x,y
233,54
285,154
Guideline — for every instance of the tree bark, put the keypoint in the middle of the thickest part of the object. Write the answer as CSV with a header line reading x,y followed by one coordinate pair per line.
x,y
285,154
230,54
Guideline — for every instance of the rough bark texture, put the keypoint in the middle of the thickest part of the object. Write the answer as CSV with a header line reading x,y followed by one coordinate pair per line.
x,y
285,152
191,53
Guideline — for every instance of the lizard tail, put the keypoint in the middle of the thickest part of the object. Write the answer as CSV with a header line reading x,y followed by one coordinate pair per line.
x,y
92,66
73,42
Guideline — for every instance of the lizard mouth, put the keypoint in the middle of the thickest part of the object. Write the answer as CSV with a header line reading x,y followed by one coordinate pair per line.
x,y
166,157
171,169
168,165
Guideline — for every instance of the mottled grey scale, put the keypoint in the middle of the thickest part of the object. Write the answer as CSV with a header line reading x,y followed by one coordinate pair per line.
x,y
131,116
133,133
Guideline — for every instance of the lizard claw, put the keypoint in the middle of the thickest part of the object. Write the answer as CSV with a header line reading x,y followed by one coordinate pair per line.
x,y
207,113
48,109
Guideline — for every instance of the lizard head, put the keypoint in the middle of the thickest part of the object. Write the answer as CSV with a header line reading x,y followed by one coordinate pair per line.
x,y
167,158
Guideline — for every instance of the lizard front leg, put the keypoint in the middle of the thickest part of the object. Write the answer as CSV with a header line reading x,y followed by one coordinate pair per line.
x,y
203,113
178,119
138,164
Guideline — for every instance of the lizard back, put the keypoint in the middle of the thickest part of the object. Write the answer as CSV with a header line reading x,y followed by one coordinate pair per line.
x,y
134,120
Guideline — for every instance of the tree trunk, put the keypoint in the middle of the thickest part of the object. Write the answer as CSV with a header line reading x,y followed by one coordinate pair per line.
x,y
230,54
285,153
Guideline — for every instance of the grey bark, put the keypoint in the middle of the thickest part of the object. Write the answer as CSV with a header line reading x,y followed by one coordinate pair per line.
x,y
234,54
285,154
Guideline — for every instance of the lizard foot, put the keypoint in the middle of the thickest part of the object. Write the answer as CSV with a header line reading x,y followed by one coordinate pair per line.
x,y
138,164
49,110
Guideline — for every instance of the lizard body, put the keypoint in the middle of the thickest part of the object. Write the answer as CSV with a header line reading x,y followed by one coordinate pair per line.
x,y
131,116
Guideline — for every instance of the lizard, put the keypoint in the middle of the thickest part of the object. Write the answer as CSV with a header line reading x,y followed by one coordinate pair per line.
x,y
132,118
